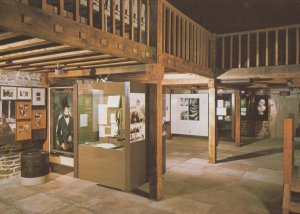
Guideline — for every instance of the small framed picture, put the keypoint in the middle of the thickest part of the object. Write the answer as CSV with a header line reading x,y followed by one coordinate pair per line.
x,y
39,119
24,93
23,130
8,93
38,97
23,110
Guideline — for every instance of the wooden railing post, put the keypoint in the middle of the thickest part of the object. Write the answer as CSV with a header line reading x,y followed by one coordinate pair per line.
x,y
156,21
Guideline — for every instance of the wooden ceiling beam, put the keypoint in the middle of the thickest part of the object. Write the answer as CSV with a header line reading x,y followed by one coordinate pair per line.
x,y
48,50
30,21
22,44
100,71
7,35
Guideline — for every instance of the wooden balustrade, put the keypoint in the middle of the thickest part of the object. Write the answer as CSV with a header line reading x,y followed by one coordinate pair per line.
x,y
186,39
263,47
126,18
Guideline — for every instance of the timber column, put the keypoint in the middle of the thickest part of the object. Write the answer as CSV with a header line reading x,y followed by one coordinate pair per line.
x,y
212,123
237,117
154,97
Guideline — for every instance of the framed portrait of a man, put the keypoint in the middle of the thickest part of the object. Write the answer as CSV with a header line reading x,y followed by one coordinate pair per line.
x,y
61,117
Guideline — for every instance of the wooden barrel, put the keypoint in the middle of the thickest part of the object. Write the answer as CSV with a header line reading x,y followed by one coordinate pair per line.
x,y
34,168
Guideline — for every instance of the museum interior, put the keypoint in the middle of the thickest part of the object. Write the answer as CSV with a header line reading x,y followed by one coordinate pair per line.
x,y
149,106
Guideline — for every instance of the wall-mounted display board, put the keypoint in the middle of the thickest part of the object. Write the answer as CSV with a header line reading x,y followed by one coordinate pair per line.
x,y
23,110
39,119
23,130
189,114
137,117
61,121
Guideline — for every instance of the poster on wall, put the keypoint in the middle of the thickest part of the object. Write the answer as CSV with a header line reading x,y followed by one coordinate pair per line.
x,y
39,119
189,109
261,107
194,109
61,113
137,117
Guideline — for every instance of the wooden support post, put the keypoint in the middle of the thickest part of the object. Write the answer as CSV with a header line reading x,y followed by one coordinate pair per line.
x,y
76,15
178,37
267,48
61,7
187,53
155,140
139,17
122,18
297,46
288,162
287,46
183,55
237,116
75,129
240,50
156,28
131,19
169,30
102,15
147,21
212,124
257,49
248,50
276,47
90,13
223,52
113,16
231,51
174,37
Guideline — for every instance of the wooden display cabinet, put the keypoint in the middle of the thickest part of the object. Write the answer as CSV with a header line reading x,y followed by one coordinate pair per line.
x,y
105,152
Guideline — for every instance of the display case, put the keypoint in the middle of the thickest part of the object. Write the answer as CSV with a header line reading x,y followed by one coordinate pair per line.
x,y
110,134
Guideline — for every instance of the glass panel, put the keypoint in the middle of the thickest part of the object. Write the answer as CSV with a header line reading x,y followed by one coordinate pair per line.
x,y
101,117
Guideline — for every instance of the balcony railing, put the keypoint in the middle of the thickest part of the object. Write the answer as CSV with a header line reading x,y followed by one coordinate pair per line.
x,y
257,48
186,39
125,18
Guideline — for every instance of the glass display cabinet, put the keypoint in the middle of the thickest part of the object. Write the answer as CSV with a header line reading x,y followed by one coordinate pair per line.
x,y
110,135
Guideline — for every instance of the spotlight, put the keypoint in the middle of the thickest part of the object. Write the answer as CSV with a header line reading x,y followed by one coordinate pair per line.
x,y
58,70
93,72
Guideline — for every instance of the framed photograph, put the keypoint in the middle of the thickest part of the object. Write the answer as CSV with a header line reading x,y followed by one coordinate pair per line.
x,y
38,97
24,94
61,116
23,130
262,107
23,110
8,93
39,119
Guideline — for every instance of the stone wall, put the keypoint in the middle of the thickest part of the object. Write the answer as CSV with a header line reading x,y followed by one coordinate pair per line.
x,y
10,166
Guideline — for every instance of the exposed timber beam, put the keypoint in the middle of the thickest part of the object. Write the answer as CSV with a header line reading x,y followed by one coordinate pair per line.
x,y
26,20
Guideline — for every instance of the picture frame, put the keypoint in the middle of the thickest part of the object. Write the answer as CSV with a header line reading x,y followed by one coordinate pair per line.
x,y
8,93
39,119
23,130
23,110
24,94
38,97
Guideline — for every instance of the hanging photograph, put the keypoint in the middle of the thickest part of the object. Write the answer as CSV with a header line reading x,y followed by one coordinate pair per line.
x,y
8,93
24,93
61,115
39,119
23,130
38,97
137,117
194,108
23,110
261,107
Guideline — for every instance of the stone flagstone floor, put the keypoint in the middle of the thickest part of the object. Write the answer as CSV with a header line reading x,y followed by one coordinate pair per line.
x,y
246,180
